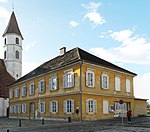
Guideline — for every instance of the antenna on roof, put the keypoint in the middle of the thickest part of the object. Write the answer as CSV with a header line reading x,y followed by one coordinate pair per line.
x,y
13,6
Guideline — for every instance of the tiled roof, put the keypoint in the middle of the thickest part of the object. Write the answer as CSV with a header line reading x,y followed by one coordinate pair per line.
x,y
12,26
5,80
70,57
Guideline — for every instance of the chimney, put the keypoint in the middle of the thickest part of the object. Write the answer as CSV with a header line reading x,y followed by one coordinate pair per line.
x,y
62,51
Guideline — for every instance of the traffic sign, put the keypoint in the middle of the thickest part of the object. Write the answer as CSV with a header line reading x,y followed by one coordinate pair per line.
x,y
121,101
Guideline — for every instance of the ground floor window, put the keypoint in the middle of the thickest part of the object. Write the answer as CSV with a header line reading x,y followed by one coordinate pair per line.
x,y
41,107
54,107
69,106
91,106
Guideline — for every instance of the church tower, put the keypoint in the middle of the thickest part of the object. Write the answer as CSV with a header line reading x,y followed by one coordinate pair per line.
x,y
13,48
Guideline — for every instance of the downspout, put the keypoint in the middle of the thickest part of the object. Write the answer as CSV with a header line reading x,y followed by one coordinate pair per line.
x,y
81,90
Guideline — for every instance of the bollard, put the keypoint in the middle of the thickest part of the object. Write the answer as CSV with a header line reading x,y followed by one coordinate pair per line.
x,y
7,130
20,123
42,121
69,119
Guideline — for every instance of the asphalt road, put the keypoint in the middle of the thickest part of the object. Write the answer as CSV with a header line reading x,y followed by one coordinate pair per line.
x,y
141,124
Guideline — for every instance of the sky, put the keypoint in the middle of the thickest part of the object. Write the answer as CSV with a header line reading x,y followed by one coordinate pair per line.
x,y
114,30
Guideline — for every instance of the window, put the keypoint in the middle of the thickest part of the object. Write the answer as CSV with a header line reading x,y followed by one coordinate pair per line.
x,y
17,40
31,89
11,94
23,108
68,79
17,54
105,107
91,106
5,55
32,107
105,81
5,41
17,92
24,90
69,106
53,83
41,86
128,85
90,78
11,108
54,107
17,108
117,83
41,107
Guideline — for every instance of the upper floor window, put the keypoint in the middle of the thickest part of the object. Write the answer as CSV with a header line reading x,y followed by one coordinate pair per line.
x,y
17,40
91,106
5,41
105,81
41,107
54,107
11,94
117,83
128,85
41,86
68,79
90,78
31,89
24,90
5,55
17,92
24,108
69,106
17,54
53,83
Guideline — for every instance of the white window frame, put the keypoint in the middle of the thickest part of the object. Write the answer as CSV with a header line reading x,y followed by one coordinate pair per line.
x,y
69,106
117,83
41,107
91,106
11,109
53,83
54,107
105,81
17,92
128,85
31,88
90,78
11,93
24,90
24,108
105,107
41,86
68,79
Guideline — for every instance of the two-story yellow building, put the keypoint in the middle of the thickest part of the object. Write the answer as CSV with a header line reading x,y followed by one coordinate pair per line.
x,y
75,84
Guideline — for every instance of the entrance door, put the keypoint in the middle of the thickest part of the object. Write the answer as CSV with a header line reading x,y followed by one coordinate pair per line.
x,y
120,109
32,110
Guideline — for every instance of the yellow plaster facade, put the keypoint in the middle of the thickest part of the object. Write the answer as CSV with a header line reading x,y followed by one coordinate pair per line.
x,y
80,93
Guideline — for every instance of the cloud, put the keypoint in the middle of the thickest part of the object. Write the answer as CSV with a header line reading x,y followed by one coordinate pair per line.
x,y
132,49
1,1
28,66
4,15
73,23
141,88
92,13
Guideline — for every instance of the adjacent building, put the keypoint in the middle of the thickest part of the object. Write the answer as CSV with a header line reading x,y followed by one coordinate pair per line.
x,y
11,65
74,84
